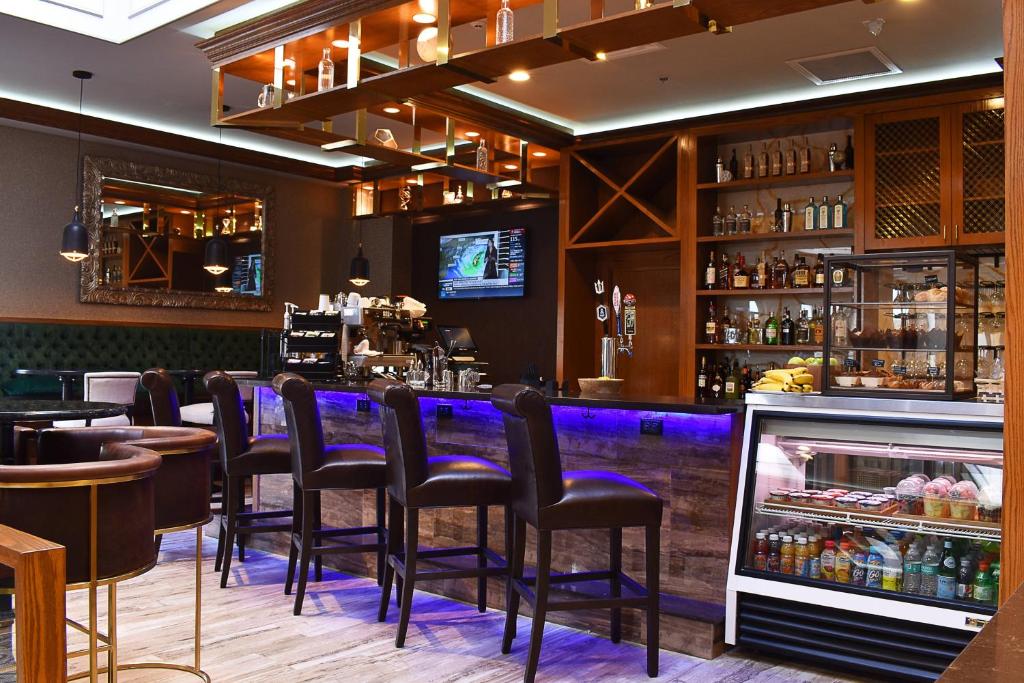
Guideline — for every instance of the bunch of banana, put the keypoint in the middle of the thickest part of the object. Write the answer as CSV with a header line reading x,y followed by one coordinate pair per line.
x,y
795,380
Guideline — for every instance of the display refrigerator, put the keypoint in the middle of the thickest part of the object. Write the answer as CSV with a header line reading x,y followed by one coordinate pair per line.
x,y
866,531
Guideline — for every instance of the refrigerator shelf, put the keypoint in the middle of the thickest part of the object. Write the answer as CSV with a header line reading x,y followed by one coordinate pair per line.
x,y
986,531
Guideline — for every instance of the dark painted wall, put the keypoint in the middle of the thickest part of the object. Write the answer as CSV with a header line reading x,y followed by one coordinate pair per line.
x,y
511,333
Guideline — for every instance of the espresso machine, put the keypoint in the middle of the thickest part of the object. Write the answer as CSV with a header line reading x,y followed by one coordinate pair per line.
x,y
378,340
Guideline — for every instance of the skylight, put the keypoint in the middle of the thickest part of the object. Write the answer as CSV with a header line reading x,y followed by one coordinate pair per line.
x,y
116,21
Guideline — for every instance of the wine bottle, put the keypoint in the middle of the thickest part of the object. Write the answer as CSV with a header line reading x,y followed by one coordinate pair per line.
x,y
848,152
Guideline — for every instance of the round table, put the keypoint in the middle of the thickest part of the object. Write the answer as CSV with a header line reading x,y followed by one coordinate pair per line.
x,y
65,377
32,410
188,379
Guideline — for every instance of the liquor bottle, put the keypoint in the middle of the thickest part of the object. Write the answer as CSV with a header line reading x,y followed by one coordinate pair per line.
x,y
718,223
768,276
818,327
762,161
482,162
325,72
771,330
746,380
948,565
719,170
740,275
756,272
755,333
824,214
775,161
839,210
803,329
743,221
504,24
748,163
840,328
711,272
703,390
786,329
725,272
711,326
734,165
805,158
791,159
787,218
819,272
840,277
801,275
717,383
732,382
777,224
811,215
848,152
730,222
730,329
114,218
780,278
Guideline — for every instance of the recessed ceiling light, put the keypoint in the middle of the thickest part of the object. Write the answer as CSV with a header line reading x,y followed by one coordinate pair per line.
x,y
288,62
290,81
602,56
510,167
424,18
340,43
186,211
472,134
519,76
540,154
119,201
392,110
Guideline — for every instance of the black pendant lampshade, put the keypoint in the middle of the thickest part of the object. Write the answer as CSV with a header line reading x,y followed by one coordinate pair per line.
x,y
216,259
359,271
75,244
223,284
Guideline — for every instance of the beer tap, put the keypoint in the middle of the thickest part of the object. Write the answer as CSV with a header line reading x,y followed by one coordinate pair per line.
x,y
630,320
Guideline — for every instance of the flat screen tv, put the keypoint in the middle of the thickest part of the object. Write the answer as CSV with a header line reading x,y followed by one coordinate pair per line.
x,y
477,265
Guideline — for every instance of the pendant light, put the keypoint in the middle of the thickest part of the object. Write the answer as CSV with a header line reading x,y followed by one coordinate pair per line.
x,y
215,260
74,245
359,270
223,284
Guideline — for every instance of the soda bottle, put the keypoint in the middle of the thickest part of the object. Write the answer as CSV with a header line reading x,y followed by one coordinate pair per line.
x,y
873,570
946,586
844,562
965,580
859,567
912,570
983,592
892,568
930,571
787,555
828,561
995,580
761,552
774,558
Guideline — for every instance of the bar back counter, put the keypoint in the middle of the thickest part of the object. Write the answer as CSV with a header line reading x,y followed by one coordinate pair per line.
x,y
684,452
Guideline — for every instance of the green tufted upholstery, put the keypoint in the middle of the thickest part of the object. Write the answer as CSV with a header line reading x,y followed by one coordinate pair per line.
x,y
115,347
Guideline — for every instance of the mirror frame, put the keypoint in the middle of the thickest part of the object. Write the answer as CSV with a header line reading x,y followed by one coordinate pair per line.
x,y
93,289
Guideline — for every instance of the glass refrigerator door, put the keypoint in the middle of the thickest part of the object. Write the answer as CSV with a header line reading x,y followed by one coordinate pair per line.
x,y
907,511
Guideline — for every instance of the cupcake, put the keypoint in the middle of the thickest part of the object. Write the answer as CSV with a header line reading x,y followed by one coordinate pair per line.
x,y
963,500
936,502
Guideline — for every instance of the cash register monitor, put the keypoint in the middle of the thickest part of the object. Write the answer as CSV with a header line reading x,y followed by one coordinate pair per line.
x,y
456,340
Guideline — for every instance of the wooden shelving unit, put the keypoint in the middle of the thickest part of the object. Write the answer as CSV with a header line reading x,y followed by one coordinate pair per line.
x,y
824,236
817,177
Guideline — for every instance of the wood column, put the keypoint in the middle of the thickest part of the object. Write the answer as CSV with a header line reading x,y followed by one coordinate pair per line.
x,y
1012,565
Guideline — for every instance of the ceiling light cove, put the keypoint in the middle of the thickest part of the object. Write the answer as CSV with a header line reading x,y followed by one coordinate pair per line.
x,y
116,22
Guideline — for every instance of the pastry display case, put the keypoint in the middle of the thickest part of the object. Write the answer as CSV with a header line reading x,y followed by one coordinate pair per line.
x,y
901,324
867,529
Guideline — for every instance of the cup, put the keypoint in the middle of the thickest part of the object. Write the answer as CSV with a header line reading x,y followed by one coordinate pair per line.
x,y
266,96
324,303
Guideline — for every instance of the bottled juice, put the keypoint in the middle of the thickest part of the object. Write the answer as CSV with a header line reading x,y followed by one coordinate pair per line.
x,y
814,560
828,561
800,557
892,568
859,567
786,553
873,570
774,557
844,563
760,552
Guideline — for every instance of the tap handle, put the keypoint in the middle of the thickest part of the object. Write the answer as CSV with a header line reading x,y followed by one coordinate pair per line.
x,y
629,315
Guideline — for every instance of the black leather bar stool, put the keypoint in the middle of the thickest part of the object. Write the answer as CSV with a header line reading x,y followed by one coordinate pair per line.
x,y
241,457
317,468
415,482
552,500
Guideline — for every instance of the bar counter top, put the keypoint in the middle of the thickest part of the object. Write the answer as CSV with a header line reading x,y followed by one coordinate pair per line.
x,y
997,653
658,404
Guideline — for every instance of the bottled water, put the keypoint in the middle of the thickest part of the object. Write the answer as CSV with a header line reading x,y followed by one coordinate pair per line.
x,y
912,569
930,571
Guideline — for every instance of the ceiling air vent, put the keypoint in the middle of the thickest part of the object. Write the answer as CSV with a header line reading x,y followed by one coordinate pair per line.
x,y
865,62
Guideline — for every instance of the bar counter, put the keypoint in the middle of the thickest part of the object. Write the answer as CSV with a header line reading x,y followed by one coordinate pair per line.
x,y
687,454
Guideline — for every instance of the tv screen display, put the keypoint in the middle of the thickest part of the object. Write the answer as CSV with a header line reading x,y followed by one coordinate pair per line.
x,y
247,275
476,265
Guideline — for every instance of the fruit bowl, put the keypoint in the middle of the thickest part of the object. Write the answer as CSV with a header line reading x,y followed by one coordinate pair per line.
x,y
600,386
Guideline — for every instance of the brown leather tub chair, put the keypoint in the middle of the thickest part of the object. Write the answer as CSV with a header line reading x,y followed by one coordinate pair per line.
x,y
111,501
163,398
182,485
549,499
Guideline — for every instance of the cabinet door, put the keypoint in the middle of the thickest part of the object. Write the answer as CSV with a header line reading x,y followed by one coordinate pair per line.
x,y
907,179
978,176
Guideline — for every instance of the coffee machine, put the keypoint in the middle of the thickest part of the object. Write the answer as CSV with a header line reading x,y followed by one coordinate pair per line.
x,y
378,340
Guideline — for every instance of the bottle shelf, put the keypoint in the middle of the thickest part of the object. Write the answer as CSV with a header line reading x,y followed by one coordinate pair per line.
x,y
812,178
755,293
766,348
796,235
987,531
